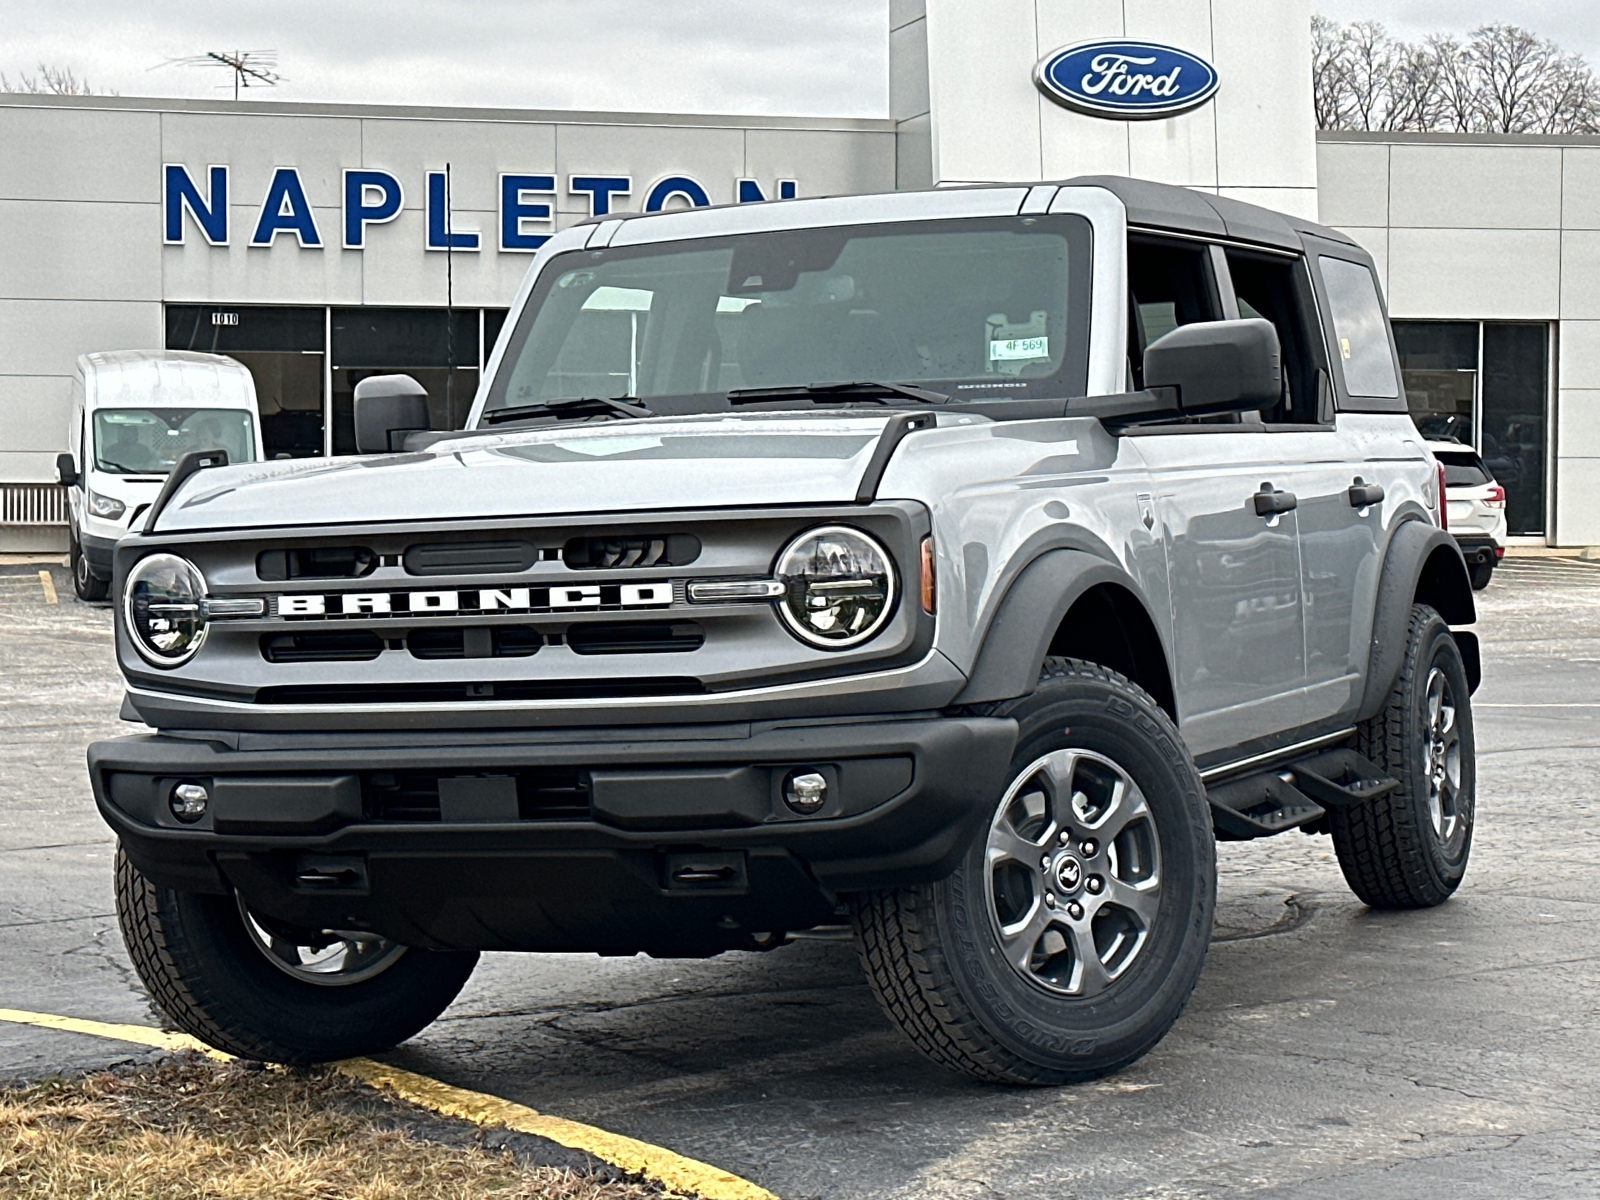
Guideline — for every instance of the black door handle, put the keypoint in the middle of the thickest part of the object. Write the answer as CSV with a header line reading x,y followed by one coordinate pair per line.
x,y
1270,503
1362,494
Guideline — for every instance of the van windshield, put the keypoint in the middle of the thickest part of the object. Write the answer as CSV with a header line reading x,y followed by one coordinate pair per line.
x,y
990,308
148,441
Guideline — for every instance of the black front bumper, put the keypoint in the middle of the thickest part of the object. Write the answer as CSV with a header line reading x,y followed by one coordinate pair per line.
x,y
663,840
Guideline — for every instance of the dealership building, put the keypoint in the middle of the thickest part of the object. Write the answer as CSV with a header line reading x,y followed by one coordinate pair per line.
x,y
319,244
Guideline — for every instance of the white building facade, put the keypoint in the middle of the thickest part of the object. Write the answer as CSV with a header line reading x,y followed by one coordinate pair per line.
x,y
319,244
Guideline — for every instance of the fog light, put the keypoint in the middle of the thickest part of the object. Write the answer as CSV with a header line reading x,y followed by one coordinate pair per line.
x,y
189,801
805,791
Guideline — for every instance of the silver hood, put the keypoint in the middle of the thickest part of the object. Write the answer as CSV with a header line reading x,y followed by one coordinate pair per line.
x,y
712,461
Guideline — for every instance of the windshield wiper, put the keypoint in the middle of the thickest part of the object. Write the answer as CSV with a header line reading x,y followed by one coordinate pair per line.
x,y
869,391
577,406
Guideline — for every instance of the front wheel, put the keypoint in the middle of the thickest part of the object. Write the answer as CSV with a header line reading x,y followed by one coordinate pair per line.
x,y
263,990
1070,937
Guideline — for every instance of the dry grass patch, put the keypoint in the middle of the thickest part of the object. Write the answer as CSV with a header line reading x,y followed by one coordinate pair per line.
x,y
188,1128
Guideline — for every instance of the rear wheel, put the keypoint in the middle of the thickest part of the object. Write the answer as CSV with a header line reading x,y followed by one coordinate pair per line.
x,y
261,989
1481,574
1409,849
1070,937
85,582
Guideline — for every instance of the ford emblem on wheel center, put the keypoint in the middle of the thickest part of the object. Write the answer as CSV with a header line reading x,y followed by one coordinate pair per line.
x,y
1128,81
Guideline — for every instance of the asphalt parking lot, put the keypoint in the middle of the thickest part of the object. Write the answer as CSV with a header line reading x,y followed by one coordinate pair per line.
x,y
1330,1051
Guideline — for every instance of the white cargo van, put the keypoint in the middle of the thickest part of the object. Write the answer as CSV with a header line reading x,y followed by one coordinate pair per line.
x,y
134,414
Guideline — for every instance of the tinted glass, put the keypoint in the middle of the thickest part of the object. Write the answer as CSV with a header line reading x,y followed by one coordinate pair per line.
x,y
987,308
1359,329
1276,289
148,441
1516,380
1463,470
1439,364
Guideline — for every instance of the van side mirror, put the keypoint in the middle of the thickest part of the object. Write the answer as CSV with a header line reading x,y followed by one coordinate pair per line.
x,y
67,468
1218,366
387,408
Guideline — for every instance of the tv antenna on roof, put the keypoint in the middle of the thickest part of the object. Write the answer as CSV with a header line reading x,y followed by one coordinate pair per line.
x,y
251,68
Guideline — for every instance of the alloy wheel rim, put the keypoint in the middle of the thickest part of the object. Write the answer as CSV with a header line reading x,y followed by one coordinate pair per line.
x,y
337,958
1441,756
1072,873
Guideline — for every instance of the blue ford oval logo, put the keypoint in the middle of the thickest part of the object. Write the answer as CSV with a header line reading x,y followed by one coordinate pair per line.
x,y
1131,81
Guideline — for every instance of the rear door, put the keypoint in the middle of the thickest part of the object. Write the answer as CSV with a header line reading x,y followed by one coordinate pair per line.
x,y
1325,463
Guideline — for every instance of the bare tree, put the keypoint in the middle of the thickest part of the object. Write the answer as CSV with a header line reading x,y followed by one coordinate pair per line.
x,y
1503,79
48,81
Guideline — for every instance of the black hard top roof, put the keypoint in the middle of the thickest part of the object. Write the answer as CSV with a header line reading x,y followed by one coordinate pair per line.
x,y
1183,210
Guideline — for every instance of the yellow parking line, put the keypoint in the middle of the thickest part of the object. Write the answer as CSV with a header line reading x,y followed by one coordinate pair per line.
x,y
49,586
673,1171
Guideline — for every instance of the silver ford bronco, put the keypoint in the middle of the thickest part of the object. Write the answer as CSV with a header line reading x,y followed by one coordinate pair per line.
x,y
955,566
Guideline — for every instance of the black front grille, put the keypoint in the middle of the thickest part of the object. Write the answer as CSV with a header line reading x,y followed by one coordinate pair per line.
x,y
316,562
635,637
478,641
630,550
470,558
543,794
450,693
344,646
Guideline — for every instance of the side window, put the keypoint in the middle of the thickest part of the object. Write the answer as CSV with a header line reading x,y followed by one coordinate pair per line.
x,y
1363,337
1278,290
1171,284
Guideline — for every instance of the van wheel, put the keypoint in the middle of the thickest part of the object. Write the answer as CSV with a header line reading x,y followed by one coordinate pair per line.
x,y
85,582
263,990
1070,937
1409,849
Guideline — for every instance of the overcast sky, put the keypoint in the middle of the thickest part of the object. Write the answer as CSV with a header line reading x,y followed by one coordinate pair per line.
x,y
796,57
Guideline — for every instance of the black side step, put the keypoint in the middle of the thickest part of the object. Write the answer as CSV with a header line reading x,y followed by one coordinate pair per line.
x,y
1294,794
1341,778
1259,806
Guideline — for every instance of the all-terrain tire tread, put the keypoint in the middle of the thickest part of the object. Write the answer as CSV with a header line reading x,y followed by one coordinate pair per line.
x,y
905,965
1381,849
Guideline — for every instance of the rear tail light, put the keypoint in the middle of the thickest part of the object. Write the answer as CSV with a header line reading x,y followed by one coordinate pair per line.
x,y
1496,497
1444,507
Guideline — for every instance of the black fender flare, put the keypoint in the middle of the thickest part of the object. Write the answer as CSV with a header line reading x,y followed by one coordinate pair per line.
x,y
1415,548
1013,647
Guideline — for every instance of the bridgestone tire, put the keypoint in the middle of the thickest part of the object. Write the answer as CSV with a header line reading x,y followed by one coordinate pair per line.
x,y
202,970
933,956
1481,574
85,583
1391,853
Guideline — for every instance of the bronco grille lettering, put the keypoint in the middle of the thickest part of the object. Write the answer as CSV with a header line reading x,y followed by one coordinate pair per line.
x,y
557,598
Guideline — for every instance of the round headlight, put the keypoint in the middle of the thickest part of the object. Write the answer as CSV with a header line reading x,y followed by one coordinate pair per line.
x,y
840,586
164,608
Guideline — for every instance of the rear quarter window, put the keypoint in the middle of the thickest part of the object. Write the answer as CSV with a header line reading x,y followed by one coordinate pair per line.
x,y
1360,331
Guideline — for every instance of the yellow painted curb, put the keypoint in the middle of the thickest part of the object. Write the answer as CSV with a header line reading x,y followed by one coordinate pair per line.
x,y
673,1171
141,1035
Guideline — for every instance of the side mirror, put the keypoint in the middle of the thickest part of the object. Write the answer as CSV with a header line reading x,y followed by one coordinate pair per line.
x,y
1218,366
387,408
67,469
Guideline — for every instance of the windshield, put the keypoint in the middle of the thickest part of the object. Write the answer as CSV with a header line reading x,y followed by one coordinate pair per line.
x,y
148,441
976,309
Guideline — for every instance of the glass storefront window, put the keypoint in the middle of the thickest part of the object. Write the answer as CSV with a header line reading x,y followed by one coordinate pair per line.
x,y
282,347
1439,367
1516,371
440,354
1485,385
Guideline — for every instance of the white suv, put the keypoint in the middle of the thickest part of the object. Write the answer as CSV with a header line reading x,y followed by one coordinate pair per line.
x,y
1476,510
